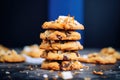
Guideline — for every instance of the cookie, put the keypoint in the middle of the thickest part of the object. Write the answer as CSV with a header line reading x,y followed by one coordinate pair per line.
x,y
61,65
63,23
11,56
32,51
61,45
98,59
61,55
110,51
2,53
60,35
3,48
105,56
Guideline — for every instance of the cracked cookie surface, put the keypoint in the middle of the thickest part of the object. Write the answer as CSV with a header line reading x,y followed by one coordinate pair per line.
x,y
10,56
61,55
63,23
60,35
61,45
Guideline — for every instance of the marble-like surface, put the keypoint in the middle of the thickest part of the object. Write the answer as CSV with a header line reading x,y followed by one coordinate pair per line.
x,y
29,71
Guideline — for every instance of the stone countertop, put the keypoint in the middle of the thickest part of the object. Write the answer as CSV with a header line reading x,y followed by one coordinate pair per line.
x,y
27,71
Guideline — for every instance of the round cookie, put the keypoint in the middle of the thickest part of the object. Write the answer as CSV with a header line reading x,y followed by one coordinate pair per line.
x,y
61,55
98,59
61,65
60,35
63,23
11,56
110,51
61,45
32,51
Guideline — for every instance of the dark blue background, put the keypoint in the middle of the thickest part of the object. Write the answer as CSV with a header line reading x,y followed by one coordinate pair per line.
x,y
21,22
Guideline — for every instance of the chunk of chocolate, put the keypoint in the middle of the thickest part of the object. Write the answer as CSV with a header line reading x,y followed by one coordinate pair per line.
x,y
67,33
66,65
65,57
77,54
50,43
59,37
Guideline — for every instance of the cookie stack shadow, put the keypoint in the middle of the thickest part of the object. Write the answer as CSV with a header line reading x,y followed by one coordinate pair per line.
x,y
61,45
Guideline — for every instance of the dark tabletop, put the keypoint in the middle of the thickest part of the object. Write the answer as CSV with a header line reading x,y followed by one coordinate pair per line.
x,y
27,71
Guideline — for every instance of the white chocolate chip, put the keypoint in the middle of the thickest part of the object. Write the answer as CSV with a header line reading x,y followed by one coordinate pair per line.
x,y
67,75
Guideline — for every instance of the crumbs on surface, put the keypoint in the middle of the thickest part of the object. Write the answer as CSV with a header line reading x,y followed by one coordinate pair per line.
x,y
98,72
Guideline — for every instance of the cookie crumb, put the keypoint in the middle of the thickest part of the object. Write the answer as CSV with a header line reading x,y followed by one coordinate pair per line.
x,y
119,67
76,72
7,72
67,75
55,77
87,78
51,71
98,72
81,69
38,74
45,76
86,67
26,72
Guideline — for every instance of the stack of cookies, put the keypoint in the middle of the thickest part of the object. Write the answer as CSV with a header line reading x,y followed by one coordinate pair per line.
x,y
60,44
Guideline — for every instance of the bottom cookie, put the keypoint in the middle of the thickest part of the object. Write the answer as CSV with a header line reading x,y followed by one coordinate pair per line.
x,y
61,65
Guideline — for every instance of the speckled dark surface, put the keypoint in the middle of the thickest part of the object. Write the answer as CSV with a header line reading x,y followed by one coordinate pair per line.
x,y
25,71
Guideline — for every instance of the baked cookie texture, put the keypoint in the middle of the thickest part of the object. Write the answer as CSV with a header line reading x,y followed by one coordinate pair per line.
x,y
3,48
63,23
32,51
10,56
110,52
60,35
61,55
98,59
61,45
105,56
61,65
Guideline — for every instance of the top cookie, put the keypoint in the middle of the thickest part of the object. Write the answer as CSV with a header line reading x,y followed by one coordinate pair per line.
x,y
63,23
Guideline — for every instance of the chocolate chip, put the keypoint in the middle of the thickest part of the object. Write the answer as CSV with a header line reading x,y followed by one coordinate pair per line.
x,y
59,37
9,54
50,43
67,33
44,54
46,51
66,65
77,54
65,57
60,66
